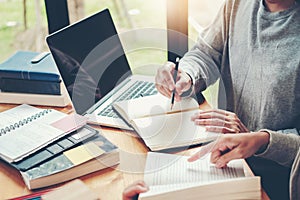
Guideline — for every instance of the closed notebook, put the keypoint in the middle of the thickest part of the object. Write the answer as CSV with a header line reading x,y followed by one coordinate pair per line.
x,y
25,129
160,127
96,153
19,66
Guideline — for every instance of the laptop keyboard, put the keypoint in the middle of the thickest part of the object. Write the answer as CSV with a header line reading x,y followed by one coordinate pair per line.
x,y
138,89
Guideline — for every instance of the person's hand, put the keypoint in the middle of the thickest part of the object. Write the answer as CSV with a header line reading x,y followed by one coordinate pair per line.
x,y
133,190
233,146
220,121
165,84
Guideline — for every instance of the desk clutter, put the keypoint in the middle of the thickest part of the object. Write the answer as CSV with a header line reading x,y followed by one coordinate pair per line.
x,y
49,147
31,78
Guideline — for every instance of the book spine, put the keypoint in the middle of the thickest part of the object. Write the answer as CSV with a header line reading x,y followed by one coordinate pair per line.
x,y
28,86
29,75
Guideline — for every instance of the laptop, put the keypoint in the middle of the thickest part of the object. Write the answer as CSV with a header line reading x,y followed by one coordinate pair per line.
x,y
93,65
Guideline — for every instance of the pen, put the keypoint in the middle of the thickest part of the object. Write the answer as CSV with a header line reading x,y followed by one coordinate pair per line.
x,y
174,78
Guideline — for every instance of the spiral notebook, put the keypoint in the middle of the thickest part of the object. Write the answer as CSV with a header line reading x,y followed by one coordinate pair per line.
x,y
26,129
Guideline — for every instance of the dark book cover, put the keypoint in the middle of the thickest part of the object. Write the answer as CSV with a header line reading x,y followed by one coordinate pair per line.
x,y
61,168
20,66
30,86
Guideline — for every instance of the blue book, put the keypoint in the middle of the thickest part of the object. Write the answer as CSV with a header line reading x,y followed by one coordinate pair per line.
x,y
29,86
22,66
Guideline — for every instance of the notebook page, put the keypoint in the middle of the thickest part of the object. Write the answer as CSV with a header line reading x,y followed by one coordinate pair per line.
x,y
173,130
25,128
27,138
164,169
152,105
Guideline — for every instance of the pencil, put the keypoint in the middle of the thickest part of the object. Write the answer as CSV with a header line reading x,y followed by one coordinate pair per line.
x,y
174,78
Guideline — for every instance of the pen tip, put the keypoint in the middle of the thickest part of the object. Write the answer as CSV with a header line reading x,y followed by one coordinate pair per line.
x,y
171,106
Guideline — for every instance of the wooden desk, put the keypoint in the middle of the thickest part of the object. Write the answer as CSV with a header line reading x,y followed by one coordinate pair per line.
x,y
108,183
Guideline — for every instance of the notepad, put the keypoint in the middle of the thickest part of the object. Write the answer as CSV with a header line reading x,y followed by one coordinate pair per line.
x,y
159,126
26,129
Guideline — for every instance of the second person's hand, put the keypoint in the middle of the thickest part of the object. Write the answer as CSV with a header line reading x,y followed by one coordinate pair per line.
x,y
220,121
165,84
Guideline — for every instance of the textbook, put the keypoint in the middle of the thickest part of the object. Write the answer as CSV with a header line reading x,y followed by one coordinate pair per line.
x,y
96,153
61,100
25,129
160,127
23,73
173,177
20,66
30,86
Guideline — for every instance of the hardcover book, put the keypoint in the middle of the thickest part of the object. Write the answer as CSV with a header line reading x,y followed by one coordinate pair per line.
x,y
95,154
61,100
20,66
30,86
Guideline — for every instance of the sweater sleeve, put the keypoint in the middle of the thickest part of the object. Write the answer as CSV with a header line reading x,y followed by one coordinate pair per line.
x,y
282,148
203,61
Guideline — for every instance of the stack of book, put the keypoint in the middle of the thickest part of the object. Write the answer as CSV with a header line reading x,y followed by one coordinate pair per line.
x,y
48,147
32,78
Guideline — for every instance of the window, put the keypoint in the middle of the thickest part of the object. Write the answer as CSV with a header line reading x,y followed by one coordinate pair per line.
x,y
140,23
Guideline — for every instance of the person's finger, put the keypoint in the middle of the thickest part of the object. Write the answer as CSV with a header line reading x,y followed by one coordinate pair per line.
x,y
183,83
230,155
220,111
203,151
210,115
134,189
215,155
220,129
230,125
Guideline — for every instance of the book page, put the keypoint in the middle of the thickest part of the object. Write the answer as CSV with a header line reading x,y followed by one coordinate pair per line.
x,y
172,130
165,169
152,105
27,138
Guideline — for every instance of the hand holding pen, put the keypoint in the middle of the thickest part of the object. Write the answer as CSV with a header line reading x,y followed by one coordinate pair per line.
x,y
167,84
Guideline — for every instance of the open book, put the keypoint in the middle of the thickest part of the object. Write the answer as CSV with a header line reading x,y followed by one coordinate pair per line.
x,y
173,177
25,129
160,127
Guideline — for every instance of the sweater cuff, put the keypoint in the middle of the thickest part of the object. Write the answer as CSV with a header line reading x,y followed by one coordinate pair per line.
x,y
261,153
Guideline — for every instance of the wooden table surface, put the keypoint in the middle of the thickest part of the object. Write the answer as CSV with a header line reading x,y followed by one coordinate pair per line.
x,y
108,183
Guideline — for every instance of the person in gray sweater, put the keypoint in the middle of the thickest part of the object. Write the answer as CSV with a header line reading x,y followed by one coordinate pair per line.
x,y
281,148
253,48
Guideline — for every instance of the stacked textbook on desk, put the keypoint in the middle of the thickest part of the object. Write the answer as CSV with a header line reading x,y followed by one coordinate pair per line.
x,y
33,78
44,145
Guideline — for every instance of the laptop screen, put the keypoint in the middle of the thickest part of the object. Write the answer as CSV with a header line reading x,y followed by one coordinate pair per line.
x,y
90,59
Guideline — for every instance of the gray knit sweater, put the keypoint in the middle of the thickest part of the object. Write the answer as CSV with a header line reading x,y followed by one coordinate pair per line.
x,y
285,150
257,55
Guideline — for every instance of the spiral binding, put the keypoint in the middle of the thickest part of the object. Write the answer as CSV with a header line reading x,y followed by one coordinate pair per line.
x,y
22,122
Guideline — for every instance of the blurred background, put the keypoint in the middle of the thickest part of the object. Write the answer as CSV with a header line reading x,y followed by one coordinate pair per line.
x,y
23,24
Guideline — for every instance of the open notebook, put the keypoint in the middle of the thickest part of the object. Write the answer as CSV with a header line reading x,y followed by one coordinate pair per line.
x,y
25,129
160,127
